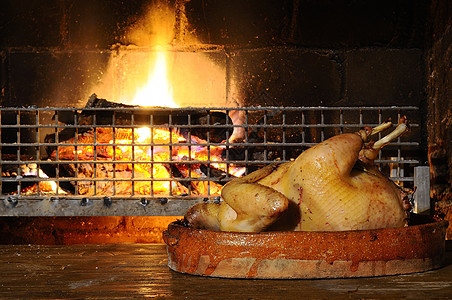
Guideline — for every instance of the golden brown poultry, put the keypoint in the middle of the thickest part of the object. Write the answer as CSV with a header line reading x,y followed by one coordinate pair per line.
x,y
322,190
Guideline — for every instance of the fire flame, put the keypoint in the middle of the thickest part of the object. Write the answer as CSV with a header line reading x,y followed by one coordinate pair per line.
x,y
141,153
158,90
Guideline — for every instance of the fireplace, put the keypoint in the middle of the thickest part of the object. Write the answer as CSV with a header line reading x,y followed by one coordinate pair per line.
x,y
252,83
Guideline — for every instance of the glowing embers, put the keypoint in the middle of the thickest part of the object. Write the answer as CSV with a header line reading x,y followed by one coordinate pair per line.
x,y
44,186
142,161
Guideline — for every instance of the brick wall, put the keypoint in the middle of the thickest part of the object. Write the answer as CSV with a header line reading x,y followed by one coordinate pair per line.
x,y
439,118
291,52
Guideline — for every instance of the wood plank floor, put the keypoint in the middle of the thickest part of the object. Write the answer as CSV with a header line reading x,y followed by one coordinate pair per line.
x,y
125,271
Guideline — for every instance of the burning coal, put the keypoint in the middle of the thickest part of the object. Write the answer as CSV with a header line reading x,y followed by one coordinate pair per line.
x,y
116,158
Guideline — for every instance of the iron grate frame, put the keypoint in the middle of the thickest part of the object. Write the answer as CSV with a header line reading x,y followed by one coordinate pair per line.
x,y
271,134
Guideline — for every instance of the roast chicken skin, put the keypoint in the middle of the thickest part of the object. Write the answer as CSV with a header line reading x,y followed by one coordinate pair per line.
x,y
332,186
247,207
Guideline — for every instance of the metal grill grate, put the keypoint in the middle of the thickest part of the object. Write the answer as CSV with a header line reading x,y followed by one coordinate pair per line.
x,y
99,161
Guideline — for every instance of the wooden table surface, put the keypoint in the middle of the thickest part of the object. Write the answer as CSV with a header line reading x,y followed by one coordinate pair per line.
x,y
112,271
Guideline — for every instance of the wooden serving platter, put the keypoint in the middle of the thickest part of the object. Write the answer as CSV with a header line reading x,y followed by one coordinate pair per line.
x,y
284,255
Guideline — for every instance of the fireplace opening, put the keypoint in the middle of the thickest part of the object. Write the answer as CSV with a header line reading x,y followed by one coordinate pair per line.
x,y
130,163
116,118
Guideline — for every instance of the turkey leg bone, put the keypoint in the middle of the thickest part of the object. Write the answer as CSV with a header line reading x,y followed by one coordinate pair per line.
x,y
380,127
400,129
370,151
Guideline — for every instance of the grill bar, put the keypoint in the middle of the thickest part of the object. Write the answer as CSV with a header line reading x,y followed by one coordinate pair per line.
x,y
88,155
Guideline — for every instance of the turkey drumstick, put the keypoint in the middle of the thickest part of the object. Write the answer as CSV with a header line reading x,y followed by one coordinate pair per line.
x,y
247,206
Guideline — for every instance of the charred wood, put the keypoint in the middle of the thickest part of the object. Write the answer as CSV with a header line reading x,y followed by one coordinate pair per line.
x,y
205,122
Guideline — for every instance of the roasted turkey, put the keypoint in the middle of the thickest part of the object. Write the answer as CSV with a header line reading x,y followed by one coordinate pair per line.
x,y
332,186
